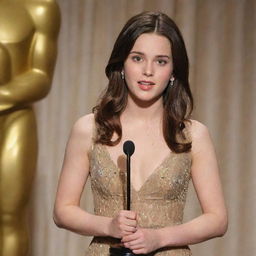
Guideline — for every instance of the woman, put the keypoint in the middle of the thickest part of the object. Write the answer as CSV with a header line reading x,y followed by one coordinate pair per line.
x,y
148,101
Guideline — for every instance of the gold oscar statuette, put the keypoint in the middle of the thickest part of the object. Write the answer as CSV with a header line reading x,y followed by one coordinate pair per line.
x,y
28,49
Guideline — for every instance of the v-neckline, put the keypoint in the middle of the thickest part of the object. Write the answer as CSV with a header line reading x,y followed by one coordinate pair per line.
x,y
154,172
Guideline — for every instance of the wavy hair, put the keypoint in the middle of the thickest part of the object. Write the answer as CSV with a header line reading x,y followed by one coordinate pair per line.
x,y
177,99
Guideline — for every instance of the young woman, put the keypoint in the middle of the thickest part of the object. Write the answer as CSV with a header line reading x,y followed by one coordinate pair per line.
x,y
148,101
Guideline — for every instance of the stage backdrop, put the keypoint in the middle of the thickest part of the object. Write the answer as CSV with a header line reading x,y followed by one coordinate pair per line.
x,y
221,40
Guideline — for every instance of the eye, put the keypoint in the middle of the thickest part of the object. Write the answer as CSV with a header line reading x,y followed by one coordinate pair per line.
x,y
137,58
161,62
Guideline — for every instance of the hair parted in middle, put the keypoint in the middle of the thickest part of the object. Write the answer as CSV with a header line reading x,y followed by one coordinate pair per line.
x,y
177,99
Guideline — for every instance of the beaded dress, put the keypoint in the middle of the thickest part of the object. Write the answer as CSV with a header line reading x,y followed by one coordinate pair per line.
x,y
158,203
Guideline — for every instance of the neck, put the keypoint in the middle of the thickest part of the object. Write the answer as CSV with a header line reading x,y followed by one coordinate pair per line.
x,y
144,111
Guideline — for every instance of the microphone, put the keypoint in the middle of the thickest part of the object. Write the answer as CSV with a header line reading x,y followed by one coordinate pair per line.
x,y
128,149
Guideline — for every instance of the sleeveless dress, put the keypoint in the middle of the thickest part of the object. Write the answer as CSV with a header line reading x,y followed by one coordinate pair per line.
x,y
159,202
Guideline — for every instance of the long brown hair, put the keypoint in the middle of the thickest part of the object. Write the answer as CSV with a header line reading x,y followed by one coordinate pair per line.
x,y
177,99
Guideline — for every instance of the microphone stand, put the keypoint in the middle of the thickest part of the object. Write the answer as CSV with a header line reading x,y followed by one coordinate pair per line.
x,y
128,187
128,150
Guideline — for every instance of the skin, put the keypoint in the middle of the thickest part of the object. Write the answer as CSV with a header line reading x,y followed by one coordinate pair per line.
x,y
142,122
145,64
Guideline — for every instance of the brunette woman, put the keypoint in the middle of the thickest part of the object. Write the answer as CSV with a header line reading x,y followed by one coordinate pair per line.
x,y
148,101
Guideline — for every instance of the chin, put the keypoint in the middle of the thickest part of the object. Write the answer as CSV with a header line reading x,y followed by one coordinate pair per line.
x,y
145,100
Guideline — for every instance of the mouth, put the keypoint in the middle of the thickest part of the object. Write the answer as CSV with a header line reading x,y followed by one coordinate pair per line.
x,y
143,82
145,85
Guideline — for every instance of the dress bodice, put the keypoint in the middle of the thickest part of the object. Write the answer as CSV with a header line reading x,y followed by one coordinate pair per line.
x,y
158,203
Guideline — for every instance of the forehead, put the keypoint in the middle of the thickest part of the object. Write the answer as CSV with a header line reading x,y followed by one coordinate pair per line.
x,y
152,43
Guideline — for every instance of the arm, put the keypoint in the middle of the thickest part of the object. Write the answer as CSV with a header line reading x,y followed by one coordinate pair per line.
x,y
75,171
205,175
34,83
213,221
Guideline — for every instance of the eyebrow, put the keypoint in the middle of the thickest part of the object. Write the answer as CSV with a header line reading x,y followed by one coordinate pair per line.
x,y
141,53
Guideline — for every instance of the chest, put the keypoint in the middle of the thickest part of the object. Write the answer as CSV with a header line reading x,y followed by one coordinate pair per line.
x,y
150,152
168,181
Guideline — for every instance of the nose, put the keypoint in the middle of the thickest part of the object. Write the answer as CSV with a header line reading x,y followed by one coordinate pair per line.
x,y
148,69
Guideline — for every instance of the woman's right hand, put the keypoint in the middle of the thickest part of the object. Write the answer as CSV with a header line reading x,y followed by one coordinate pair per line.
x,y
123,224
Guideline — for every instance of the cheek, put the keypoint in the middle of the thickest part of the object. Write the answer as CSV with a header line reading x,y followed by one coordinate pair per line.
x,y
129,66
165,75
131,72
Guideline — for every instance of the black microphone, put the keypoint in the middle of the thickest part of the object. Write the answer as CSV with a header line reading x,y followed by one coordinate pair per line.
x,y
128,149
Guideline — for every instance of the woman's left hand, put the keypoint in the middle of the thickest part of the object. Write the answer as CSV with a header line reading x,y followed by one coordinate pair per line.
x,y
142,241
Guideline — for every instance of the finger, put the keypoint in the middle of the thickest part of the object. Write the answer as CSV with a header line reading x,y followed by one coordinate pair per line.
x,y
139,251
136,243
129,222
129,238
129,229
130,214
123,221
125,233
137,246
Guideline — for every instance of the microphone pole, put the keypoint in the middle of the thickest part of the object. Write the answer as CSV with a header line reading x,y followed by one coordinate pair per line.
x,y
128,149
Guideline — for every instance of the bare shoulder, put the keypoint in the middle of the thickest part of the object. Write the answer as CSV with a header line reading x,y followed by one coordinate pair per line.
x,y
82,130
84,125
200,135
197,129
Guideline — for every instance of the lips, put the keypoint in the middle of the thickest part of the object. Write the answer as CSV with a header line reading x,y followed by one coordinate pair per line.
x,y
144,82
145,85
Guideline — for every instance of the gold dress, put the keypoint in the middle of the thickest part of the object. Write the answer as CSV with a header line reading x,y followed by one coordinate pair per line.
x,y
159,202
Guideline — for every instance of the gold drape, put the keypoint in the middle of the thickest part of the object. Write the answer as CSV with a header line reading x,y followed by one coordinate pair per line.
x,y
221,40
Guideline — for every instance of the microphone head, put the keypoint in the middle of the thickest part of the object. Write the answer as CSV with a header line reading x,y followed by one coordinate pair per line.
x,y
128,147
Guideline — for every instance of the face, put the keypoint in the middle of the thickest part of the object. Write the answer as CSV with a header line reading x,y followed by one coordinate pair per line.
x,y
148,67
